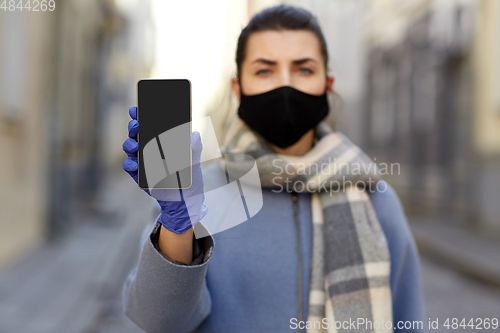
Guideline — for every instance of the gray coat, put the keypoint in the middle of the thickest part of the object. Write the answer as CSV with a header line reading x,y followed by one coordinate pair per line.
x,y
244,279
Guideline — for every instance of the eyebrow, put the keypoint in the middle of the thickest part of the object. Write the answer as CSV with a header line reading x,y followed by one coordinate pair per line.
x,y
295,62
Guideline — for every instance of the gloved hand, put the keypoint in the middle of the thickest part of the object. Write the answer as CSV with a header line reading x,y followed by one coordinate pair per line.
x,y
180,208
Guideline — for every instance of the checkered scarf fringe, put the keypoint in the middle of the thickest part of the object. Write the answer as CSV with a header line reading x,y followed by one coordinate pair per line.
x,y
350,262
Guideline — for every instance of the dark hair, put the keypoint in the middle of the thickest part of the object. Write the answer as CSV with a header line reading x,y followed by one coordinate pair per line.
x,y
281,17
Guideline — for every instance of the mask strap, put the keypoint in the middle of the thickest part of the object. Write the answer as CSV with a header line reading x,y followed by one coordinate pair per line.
x,y
239,83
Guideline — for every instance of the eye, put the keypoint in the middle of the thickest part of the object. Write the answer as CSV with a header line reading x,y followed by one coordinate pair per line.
x,y
263,72
305,70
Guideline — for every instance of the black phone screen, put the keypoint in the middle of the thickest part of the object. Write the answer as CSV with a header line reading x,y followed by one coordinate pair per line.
x,y
164,116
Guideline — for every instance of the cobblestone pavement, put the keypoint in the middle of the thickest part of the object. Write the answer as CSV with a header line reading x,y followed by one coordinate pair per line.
x,y
75,284
460,272
449,294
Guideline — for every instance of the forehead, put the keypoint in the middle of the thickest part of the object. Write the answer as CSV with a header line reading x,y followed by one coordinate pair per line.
x,y
283,45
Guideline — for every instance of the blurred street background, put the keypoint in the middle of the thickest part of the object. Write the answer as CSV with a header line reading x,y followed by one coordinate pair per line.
x,y
420,84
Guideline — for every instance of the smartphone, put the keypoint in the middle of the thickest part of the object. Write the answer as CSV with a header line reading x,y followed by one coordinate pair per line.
x,y
164,116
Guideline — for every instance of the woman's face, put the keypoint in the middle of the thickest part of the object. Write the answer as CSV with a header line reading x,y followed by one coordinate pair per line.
x,y
283,58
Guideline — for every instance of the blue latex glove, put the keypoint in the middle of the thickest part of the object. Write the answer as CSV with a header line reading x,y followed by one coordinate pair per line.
x,y
180,208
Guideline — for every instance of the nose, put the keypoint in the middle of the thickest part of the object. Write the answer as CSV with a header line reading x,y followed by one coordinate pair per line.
x,y
285,78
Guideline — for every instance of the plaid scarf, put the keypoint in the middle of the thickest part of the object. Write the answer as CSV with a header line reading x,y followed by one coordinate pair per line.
x,y
350,266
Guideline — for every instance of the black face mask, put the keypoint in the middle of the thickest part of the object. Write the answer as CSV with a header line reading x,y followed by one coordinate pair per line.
x,y
283,115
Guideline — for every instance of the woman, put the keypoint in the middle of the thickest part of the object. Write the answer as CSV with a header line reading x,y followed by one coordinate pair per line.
x,y
324,254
